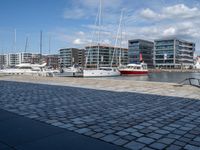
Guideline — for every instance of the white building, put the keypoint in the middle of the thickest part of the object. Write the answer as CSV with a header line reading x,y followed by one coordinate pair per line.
x,y
3,61
13,59
25,57
173,53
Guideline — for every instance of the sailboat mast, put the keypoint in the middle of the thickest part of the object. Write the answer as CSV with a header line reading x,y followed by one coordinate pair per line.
x,y
120,54
116,40
15,39
49,44
49,51
100,14
26,45
40,46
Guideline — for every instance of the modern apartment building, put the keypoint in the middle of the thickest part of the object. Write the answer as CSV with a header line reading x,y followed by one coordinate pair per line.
x,y
37,59
138,48
52,61
3,61
13,59
18,58
25,57
173,53
71,56
107,55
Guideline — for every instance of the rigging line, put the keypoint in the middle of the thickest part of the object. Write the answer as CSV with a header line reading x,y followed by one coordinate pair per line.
x,y
99,32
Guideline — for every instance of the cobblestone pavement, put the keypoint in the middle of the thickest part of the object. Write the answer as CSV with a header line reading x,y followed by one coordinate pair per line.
x,y
131,120
144,87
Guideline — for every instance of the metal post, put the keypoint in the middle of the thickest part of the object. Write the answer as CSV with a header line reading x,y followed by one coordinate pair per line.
x,y
190,81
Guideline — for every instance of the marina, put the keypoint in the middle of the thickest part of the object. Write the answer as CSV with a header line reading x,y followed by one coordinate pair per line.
x,y
100,75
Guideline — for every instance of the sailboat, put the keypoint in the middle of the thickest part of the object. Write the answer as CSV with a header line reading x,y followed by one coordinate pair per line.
x,y
74,71
99,71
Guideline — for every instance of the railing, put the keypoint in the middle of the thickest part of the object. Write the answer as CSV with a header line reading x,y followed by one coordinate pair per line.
x,y
192,81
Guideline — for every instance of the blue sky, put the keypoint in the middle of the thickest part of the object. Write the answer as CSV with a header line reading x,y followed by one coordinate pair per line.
x,y
69,23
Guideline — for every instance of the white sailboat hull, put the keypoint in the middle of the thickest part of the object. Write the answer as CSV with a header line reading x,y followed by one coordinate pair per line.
x,y
69,72
25,72
101,73
197,66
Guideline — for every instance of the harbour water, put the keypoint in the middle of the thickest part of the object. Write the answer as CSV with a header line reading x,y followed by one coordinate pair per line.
x,y
171,77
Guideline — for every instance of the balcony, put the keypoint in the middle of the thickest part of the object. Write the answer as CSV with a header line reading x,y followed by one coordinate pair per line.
x,y
185,59
185,55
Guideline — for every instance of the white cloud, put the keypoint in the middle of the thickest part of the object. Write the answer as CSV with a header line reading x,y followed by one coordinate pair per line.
x,y
80,33
150,14
179,20
169,31
78,42
178,11
181,10
82,9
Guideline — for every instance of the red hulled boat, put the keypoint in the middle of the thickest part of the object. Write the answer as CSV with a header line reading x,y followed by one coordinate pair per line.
x,y
134,69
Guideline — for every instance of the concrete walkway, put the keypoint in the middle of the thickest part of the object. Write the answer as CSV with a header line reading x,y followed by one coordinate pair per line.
x,y
155,88
20,133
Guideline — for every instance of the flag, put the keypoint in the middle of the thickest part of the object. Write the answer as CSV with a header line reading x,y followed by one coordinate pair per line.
x,y
141,57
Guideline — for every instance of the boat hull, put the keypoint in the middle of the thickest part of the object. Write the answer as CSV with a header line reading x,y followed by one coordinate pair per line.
x,y
100,73
29,73
128,72
69,74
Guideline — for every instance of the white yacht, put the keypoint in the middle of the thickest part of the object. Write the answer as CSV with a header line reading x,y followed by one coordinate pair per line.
x,y
73,71
28,69
101,72
197,65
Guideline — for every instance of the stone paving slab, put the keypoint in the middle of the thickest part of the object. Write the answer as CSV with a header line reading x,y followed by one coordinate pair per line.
x,y
146,87
21,133
131,120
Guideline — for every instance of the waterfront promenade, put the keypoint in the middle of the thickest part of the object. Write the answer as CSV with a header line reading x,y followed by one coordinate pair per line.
x,y
155,88
126,114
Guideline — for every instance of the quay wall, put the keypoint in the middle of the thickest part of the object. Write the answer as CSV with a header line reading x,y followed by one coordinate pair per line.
x,y
175,70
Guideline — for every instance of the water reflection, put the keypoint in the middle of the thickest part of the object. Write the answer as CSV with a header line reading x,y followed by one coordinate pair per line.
x,y
174,77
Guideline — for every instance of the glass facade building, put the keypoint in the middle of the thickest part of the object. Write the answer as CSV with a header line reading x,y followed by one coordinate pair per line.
x,y
3,61
71,56
173,53
13,59
25,57
139,47
107,55
52,61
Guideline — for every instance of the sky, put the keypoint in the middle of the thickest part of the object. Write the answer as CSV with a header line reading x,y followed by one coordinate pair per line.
x,y
71,23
